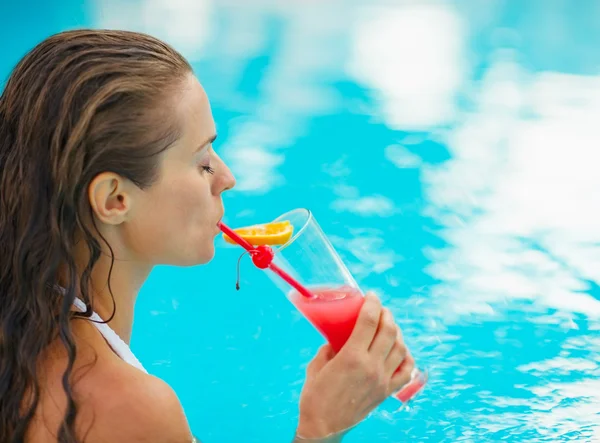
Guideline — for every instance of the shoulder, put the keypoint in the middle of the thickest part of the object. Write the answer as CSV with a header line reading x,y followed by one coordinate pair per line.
x,y
130,406
115,402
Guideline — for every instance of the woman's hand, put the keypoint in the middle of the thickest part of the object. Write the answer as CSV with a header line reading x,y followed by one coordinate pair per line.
x,y
341,389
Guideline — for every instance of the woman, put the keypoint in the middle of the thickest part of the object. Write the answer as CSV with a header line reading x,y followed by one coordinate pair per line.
x,y
107,169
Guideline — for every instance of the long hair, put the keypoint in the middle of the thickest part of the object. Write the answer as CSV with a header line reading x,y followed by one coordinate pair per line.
x,y
78,104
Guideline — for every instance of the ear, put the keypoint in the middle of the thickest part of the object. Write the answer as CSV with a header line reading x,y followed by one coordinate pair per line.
x,y
110,198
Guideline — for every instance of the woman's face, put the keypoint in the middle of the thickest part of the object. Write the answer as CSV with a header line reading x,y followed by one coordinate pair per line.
x,y
174,221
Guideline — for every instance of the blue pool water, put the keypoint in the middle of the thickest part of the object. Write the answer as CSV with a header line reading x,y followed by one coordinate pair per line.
x,y
449,149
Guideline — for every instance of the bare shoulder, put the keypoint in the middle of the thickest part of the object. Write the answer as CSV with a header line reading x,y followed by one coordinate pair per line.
x,y
115,402
135,407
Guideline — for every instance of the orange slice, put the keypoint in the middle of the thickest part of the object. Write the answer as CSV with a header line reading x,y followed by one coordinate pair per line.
x,y
276,233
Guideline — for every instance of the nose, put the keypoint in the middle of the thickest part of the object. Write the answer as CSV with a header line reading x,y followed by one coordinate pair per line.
x,y
229,180
225,179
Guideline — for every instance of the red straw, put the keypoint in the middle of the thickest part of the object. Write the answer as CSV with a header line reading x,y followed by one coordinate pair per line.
x,y
272,266
293,283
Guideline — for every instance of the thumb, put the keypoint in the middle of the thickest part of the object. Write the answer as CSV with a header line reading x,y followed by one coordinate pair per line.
x,y
324,355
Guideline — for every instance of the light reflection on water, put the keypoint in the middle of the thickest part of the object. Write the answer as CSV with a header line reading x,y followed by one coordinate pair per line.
x,y
450,151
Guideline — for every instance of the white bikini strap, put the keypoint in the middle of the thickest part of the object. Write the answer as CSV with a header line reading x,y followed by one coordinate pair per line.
x,y
121,348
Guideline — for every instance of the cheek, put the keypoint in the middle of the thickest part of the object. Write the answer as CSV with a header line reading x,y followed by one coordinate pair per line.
x,y
184,193
192,205
173,223
192,228
186,211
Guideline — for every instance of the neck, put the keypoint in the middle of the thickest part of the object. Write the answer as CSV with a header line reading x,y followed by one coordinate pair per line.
x,y
126,278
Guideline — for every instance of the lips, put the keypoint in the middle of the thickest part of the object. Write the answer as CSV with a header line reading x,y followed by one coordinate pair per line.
x,y
218,224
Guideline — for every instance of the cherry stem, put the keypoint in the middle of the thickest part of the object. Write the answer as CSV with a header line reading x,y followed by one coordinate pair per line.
x,y
237,282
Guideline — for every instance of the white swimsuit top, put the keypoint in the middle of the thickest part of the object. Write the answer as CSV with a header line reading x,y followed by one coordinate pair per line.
x,y
121,348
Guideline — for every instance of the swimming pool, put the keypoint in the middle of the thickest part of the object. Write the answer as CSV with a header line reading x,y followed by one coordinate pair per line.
x,y
449,149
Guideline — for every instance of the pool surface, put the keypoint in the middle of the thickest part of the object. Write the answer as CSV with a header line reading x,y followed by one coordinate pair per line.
x,y
449,150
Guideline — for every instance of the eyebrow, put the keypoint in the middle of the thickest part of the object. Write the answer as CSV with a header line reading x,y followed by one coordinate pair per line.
x,y
207,142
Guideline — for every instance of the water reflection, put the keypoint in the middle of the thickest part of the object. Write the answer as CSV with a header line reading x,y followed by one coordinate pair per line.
x,y
516,199
516,208
366,252
186,24
412,55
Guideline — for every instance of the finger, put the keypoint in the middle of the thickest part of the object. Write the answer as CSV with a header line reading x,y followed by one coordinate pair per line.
x,y
385,337
399,346
395,359
402,376
399,336
366,324
323,356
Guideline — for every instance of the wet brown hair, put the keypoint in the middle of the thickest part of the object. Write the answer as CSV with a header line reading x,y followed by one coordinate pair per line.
x,y
80,103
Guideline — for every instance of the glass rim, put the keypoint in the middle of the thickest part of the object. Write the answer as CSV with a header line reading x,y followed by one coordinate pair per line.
x,y
309,218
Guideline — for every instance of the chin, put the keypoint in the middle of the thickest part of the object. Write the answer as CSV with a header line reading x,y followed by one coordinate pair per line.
x,y
193,258
203,256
